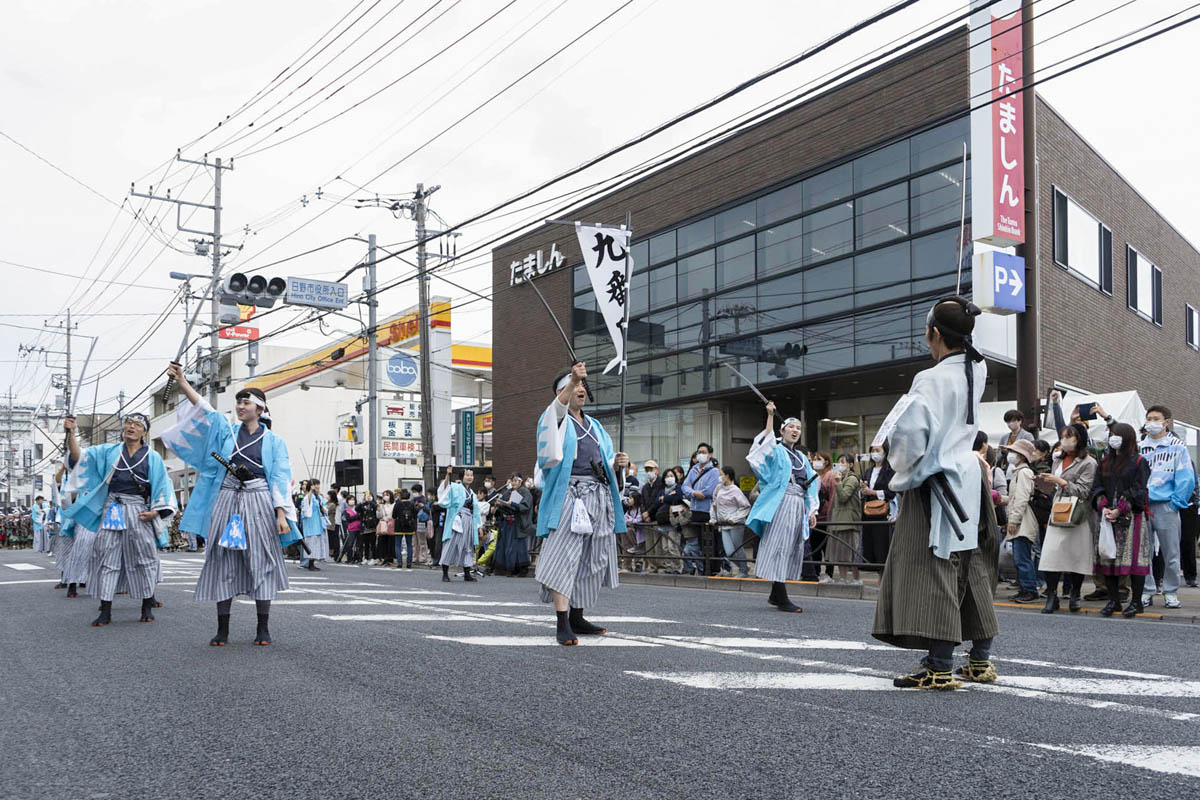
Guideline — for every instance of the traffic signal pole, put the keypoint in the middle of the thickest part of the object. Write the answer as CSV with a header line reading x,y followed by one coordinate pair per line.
x,y
372,372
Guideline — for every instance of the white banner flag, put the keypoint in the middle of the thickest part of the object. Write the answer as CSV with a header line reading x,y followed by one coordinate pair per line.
x,y
609,265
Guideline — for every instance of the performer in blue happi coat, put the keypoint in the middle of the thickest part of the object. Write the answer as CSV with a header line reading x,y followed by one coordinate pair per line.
x,y
64,546
460,532
124,494
312,527
246,512
581,511
786,509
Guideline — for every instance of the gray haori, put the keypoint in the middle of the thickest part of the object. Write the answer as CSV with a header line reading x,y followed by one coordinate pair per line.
x,y
577,565
781,551
126,560
258,570
459,549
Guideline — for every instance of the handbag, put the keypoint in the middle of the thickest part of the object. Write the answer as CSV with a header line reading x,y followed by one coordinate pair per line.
x,y
1067,511
382,527
875,508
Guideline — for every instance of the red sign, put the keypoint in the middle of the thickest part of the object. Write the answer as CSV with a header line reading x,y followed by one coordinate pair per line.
x,y
240,332
1008,130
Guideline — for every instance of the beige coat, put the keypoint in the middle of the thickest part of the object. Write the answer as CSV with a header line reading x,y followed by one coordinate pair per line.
x,y
1069,548
1021,521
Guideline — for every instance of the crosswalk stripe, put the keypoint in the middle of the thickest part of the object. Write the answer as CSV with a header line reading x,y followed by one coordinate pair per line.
x,y
780,644
38,580
329,602
409,592
396,617
1107,686
770,680
23,567
485,603
1182,760
541,641
605,620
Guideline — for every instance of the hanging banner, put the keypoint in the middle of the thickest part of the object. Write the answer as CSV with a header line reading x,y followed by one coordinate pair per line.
x,y
609,266
997,124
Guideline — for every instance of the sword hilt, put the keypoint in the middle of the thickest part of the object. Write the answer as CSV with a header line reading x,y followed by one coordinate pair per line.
x,y
170,387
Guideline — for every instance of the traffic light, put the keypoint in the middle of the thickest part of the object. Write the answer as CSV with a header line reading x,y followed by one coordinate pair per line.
x,y
354,428
257,290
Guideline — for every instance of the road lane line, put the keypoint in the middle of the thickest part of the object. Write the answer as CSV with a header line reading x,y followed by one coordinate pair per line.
x,y
21,567
1171,760
540,641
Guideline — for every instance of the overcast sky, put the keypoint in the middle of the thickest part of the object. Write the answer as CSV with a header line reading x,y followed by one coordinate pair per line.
x,y
108,90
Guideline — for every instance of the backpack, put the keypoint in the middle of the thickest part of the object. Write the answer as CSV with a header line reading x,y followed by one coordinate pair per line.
x,y
406,517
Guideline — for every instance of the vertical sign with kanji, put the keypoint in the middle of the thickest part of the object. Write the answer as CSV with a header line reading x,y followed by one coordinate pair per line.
x,y
609,266
997,124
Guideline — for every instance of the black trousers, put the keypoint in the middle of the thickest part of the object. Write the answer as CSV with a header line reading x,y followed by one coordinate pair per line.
x,y
335,543
876,539
1189,523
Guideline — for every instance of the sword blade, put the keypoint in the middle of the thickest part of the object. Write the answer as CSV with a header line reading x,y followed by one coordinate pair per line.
x,y
749,382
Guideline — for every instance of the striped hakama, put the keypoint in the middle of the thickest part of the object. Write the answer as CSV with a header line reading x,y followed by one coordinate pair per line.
x,y
79,567
577,565
781,551
63,546
41,540
318,547
459,549
126,559
258,570
924,599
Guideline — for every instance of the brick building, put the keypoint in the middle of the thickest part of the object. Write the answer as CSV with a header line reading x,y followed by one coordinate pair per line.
x,y
806,250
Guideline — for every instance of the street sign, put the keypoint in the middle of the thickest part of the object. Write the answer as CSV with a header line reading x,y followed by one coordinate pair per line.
x,y
242,333
466,437
399,429
401,370
746,348
318,294
998,281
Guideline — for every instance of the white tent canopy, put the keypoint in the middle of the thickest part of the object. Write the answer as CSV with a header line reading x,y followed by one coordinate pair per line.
x,y
1124,406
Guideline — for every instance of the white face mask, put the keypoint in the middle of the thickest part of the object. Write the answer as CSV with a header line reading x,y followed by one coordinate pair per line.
x,y
1015,425
702,458
1155,428
877,458
669,480
529,483
487,484
843,468
1115,442
652,474
818,465
1013,459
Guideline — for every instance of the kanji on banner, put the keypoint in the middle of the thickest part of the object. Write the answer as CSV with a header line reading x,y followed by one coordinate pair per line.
x,y
609,266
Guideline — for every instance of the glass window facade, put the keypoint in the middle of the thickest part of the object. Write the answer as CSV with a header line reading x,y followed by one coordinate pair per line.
x,y
832,272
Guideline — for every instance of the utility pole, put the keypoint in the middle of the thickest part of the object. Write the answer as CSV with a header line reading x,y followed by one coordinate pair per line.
x,y
372,371
121,405
214,341
67,329
423,313
1028,391
8,469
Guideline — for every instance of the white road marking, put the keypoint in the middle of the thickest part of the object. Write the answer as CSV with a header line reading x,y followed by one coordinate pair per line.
x,y
1097,670
409,592
541,641
1171,760
396,617
1107,686
39,580
23,567
484,603
330,602
606,620
780,643
770,680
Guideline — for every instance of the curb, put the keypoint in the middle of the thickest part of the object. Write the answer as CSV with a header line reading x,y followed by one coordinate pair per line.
x,y
844,592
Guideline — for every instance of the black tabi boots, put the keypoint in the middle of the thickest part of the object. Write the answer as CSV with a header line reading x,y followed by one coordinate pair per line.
x,y
222,631
467,576
105,614
72,590
779,598
262,636
445,573
581,626
565,635
147,614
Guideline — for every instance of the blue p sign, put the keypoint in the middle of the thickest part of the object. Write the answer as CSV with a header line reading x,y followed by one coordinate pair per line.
x,y
401,370
1008,281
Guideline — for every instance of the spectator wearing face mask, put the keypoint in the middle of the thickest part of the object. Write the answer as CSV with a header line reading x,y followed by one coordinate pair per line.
x,y
1067,552
845,541
1171,485
1022,528
730,509
1120,495
1015,421
877,507
822,463
671,498
699,487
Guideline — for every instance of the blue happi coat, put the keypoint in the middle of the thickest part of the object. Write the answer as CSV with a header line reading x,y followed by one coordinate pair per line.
x,y
63,498
313,516
89,481
200,431
454,498
771,463
557,443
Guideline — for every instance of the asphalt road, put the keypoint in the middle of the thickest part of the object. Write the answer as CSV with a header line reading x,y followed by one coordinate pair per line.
x,y
386,683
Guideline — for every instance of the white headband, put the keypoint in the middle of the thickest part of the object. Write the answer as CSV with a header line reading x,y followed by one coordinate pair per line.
x,y
562,383
253,398
787,422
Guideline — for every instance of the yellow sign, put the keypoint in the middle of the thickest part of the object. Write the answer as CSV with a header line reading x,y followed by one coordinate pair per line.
x,y
483,423
747,483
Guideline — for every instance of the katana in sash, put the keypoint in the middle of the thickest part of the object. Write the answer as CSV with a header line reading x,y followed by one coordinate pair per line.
x,y
749,382
178,360
939,487
566,341
242,473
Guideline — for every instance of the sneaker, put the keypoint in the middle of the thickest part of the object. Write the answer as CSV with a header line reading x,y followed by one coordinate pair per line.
x,y
1025,597
1147,600
823,578
1171,601
854,582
